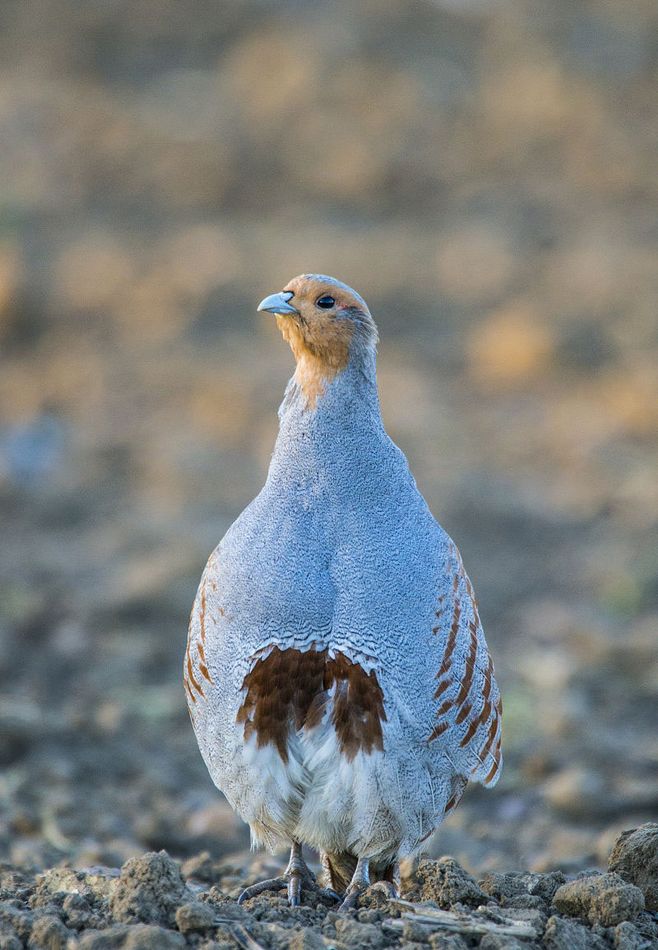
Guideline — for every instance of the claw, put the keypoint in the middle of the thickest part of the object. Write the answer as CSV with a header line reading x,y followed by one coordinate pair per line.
x,y
295,875
329,893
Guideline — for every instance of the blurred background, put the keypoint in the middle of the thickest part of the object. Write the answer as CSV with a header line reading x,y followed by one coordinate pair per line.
x,y
486,174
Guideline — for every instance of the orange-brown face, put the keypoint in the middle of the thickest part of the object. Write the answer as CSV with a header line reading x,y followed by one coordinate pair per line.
x,y
322,319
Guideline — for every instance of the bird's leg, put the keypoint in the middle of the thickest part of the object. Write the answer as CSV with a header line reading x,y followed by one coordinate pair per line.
x,y
296,874
360,881
296,871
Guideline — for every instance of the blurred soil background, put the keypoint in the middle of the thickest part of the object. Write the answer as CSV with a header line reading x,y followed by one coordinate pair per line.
x,y
486,175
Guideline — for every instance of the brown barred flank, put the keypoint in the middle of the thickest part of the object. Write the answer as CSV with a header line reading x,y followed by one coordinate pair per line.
x,y
293,688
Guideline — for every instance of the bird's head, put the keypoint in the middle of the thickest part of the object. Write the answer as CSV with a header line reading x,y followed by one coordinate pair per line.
x,y
326,323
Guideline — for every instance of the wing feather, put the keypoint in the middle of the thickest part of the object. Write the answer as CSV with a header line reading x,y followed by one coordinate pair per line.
x,y
468,703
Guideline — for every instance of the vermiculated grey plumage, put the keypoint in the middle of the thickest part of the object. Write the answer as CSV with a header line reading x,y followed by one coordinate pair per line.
x,y
337,675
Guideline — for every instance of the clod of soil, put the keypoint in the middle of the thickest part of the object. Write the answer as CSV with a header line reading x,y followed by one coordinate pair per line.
x,y
194,916
149,889
137,937
49,933
512,889
635,858
561,934
445,882
600,898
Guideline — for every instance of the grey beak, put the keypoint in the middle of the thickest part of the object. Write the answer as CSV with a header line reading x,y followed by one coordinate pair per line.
x,y
278,303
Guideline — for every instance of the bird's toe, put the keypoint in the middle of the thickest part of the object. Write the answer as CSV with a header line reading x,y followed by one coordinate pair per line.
x,y
291,882
352,894
272,884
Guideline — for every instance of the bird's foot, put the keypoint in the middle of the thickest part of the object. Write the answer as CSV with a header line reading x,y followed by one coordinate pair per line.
x,y
360,885
295,875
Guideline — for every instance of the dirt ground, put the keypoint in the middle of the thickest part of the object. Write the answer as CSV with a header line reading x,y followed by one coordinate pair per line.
x,y
153,903
486,175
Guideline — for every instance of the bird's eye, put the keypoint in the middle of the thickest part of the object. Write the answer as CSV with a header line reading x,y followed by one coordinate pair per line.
x,y
325,302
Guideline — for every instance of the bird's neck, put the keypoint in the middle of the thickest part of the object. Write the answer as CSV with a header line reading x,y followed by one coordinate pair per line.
x,y
322,394
339,422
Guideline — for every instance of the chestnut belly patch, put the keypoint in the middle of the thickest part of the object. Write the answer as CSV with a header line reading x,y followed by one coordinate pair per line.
x,y
294,689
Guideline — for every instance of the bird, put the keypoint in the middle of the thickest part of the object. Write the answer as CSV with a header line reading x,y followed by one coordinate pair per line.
x,y
336,672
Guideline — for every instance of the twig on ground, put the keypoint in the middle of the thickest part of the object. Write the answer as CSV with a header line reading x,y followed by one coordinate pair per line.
x,y
459,923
